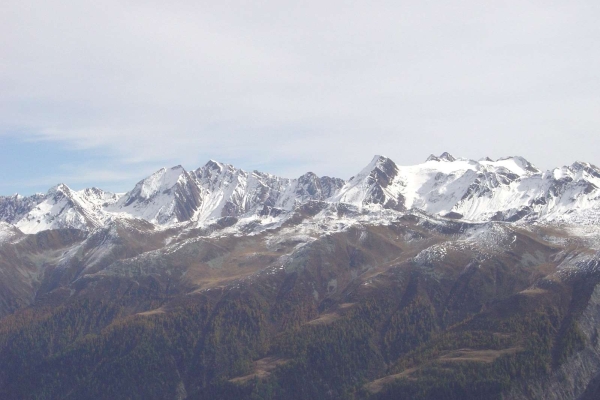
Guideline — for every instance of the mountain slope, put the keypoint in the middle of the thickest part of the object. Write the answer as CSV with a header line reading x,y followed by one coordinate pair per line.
x,y
453,279
376,184
168,196
62,207
408,305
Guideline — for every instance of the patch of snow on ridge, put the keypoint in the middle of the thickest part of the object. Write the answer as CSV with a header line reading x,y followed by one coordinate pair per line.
x,y
162,180
517,165
8,232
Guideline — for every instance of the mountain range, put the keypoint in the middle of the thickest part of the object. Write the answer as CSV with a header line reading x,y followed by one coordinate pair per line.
x,y
450,279
508,189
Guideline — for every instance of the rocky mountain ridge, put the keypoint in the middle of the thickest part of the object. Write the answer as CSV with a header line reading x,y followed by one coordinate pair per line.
x,y
508,189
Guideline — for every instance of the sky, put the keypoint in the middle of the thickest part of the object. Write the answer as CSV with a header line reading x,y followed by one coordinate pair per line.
x,y
104,93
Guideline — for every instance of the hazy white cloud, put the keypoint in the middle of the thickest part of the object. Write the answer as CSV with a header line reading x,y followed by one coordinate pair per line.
x,y
314,85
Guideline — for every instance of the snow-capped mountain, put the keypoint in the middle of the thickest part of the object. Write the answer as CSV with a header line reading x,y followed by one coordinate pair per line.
x,y
508,189
62,207
377,184
232,192
229,191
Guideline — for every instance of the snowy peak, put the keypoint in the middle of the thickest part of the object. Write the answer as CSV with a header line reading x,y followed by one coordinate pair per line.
x,y
445,156
167,196
214,175
310,186
463,188
96,199
382,171
515,164
583,169
578,171
232,192
62,207
214,165
375,185
161,181
222,188
59,190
